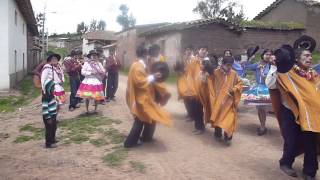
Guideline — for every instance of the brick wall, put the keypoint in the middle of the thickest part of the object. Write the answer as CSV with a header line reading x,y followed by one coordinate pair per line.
x,y
291,10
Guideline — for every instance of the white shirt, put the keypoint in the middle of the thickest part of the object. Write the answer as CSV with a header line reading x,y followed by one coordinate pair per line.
x,y
151,77
271,80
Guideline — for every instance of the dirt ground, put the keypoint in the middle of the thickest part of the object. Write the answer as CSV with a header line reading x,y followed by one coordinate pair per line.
x,y
175,154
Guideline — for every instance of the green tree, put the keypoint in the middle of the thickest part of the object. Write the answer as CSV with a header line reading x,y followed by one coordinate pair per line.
x,y
82,28
101,25
224,9
124,19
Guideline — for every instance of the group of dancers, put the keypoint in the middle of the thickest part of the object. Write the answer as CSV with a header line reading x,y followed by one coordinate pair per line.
x,y
211,89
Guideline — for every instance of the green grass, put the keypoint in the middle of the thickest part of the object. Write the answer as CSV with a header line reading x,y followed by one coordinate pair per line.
x,y
116,158
124,71
114,135
66,84
63,52
37,134
172,79
27,93
99,142
272,25
78,130
316,57
138,166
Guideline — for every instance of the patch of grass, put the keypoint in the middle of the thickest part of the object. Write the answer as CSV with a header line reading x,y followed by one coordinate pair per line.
x,y
172,79
63,52
316,57
98,142
124,71
22,139
66,84
116,158
138,166
78,130
114,135
272,25
79,138
28,92
37,134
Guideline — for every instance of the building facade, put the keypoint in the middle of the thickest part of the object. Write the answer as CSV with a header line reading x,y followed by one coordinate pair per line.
x,y
17,31
303,11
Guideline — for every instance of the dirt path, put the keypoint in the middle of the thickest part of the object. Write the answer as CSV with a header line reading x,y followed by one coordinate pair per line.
x,y
175,154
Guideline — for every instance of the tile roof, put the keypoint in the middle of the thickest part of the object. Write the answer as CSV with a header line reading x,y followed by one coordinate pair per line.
x,y
25,8
100,35
276,3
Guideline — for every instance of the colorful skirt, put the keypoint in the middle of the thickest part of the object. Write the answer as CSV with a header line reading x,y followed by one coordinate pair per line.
x,y
257,96
59,94
91,88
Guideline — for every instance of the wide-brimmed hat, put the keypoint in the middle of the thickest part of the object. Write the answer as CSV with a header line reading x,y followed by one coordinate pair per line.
x,y
76,52
305,42
252,51
92,52
51,55
161,67
285,58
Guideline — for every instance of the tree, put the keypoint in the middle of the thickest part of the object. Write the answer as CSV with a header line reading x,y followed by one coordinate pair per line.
x,y
93,25
82,28
224,9
101,25
124,20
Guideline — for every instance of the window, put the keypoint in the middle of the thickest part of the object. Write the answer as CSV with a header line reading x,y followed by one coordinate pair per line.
x,y
15,17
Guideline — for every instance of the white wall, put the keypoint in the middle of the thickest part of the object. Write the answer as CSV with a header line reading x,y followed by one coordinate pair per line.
x,y
17,39
4,54
86,47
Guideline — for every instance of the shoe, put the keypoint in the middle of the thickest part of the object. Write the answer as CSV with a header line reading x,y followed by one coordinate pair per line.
x,y
132,145
261,132
51,146
55,141
288,170
307,177
107,100
226,137
77,106
71,109
198,132
218,133
145,140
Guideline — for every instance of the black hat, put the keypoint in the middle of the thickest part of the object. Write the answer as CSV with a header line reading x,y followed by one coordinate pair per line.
x,y
305,42
210,64
92,52
285,58
161,67
53,55
76,52
252,51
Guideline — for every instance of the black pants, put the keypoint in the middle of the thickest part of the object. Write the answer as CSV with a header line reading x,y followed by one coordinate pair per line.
x,y
112,84
74,86
138,127
197,114
50,130
292,135
188,105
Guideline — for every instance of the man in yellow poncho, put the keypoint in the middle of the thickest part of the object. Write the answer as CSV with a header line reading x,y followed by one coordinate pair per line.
x,y
141,101
197,90
225,90
183,84
299,109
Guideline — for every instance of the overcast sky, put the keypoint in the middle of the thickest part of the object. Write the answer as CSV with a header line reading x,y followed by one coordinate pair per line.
x,y
64,15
